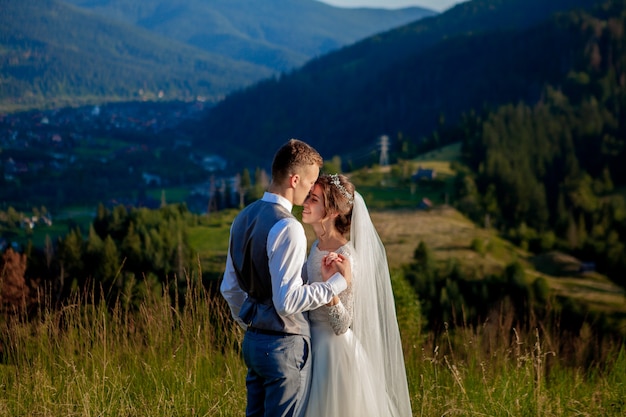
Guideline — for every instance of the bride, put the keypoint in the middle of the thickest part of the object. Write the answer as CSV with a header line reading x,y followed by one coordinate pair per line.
x,y
358,365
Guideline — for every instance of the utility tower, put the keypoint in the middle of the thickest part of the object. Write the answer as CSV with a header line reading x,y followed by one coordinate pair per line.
x,y
213,206
384,150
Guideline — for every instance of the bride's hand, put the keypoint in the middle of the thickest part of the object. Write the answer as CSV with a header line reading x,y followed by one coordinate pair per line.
x,y
328,269
335,300
335,262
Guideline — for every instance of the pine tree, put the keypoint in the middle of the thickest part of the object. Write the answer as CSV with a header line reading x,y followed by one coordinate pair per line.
x,y
109,262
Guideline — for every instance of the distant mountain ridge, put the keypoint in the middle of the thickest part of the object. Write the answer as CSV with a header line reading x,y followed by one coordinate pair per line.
x,y
279,34
58,52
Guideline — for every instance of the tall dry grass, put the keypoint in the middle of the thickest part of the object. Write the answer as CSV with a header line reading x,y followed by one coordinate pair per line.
x,y
498,370
181,358
87,359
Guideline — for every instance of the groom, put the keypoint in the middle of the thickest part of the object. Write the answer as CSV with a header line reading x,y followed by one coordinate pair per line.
x,y
266,292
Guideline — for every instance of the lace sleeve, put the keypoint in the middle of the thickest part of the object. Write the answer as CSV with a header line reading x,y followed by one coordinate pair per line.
x,y
340,314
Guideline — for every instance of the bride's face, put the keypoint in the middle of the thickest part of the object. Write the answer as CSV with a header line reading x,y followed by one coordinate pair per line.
x,y
313,208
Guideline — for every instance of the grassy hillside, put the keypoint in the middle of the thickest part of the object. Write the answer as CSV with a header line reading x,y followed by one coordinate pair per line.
x,y
450,235
481,251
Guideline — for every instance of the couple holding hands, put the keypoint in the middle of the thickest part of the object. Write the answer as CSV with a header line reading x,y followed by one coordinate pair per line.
x,y
321,337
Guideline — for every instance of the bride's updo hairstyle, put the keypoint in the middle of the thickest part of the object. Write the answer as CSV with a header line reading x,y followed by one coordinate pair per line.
x,y
339,198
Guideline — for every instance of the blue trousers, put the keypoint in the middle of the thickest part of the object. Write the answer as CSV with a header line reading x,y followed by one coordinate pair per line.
x,y
278,379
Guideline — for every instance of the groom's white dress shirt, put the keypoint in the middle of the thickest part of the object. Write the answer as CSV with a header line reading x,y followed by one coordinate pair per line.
x,y
286,251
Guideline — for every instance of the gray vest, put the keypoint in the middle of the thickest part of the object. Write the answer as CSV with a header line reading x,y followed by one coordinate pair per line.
x,y
248,250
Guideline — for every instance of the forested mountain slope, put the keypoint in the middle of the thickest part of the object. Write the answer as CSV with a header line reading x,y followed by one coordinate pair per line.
x,y
550,173
55,54
478,53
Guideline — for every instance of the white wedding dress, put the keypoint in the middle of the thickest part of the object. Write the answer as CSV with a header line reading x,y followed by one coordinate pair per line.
x,y
343,382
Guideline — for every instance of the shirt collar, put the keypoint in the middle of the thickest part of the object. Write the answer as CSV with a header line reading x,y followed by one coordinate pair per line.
x,y
277,199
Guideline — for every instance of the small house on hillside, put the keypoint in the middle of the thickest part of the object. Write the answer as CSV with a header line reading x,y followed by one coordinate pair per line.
x,y
424,174
151,179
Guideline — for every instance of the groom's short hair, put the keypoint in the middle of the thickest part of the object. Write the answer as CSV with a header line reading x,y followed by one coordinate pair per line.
x,y
292,156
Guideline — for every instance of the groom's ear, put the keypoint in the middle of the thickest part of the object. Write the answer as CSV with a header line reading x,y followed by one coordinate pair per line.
x,y
294,179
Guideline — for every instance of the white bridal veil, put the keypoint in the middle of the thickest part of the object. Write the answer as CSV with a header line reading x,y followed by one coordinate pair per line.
x,y
374,322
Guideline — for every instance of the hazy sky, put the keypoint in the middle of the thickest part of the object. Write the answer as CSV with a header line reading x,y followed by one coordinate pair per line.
x,y
439,5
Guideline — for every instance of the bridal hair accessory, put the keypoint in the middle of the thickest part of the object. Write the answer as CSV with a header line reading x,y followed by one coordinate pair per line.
x,y
334,179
